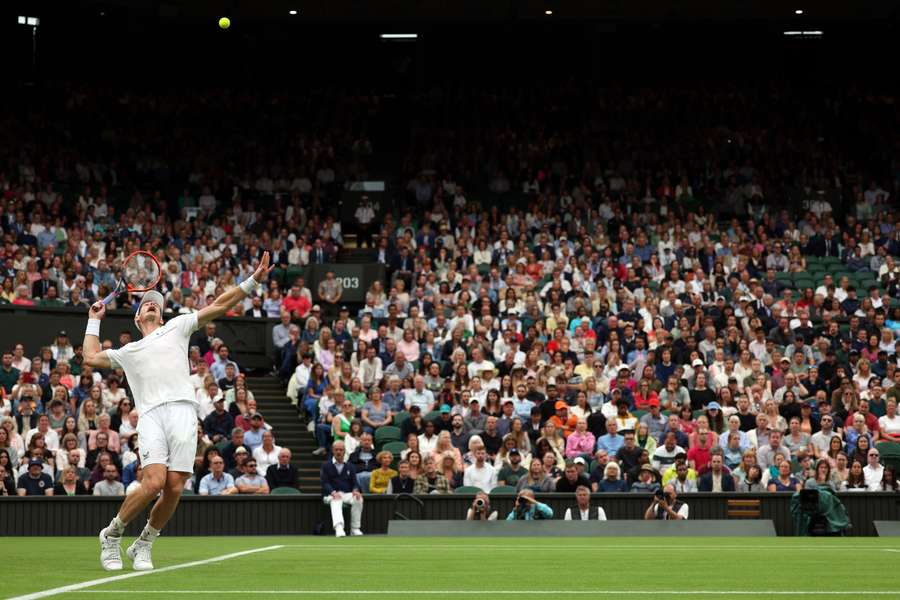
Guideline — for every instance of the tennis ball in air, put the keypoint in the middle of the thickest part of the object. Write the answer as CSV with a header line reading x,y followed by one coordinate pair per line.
x,y
224,22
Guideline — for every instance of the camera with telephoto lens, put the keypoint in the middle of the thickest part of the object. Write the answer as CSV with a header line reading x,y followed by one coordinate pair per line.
x,y
660,495
479,504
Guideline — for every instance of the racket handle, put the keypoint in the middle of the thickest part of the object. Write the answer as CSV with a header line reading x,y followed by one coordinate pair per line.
x,y
110,297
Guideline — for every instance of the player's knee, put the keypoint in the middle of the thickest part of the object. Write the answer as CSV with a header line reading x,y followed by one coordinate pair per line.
x,y
152,485
175,485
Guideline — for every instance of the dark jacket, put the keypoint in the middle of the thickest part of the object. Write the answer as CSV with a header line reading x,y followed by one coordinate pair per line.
x,y
363,465
277,477
332,481
704,484
220,424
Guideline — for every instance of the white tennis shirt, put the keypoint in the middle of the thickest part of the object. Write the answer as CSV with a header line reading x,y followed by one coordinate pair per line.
x,y
157,366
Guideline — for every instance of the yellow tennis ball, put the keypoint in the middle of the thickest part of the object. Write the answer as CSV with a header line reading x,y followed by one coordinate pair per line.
x,y
224,22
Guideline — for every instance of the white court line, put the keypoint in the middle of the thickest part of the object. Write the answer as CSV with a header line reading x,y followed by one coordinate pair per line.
x,y
78,587
890,550
556,592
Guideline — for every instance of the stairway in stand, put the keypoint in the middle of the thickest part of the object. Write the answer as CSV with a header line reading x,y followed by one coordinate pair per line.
x,y
290,430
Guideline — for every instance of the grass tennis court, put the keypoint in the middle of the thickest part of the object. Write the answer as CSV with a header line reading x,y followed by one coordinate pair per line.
x,y
309,568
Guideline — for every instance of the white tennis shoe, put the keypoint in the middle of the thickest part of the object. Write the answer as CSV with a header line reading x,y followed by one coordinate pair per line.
x,y
139,553
110,552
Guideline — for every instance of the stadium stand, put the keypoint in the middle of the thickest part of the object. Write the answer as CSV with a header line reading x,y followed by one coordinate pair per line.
x,y
588,274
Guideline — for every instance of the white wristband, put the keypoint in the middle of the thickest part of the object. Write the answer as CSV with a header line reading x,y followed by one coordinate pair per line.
x,y
93,327
248,285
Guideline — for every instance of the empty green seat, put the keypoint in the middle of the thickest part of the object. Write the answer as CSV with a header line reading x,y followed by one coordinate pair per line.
x,y
387,433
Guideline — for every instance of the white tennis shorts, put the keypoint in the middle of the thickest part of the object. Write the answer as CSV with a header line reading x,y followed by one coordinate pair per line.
x,y
167,435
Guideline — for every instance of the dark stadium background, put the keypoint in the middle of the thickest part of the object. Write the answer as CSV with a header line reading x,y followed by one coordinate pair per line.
x,y
475,41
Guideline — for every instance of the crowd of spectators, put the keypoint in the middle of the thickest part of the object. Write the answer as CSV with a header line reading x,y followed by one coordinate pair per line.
x,y
716,312
560,262
67,429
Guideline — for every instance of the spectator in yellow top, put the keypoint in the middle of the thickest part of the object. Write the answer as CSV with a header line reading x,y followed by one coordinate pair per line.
x,y
381,477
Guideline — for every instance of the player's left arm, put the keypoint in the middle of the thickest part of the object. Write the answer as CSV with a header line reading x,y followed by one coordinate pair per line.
x,y
226,300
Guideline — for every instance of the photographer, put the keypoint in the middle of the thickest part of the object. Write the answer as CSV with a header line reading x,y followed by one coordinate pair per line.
x,y
817,511
529,509
666,506
481,509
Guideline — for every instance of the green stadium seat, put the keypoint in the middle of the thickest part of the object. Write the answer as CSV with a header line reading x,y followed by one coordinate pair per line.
x,y
638,413
503,490
285,491
387,433
467,489
187,492
394,447
400,418
888,448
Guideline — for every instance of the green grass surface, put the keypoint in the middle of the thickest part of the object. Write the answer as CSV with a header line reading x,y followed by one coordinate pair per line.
x,y
382,567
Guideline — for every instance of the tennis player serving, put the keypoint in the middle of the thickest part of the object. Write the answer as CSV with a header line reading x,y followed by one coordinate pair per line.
x,y
157,370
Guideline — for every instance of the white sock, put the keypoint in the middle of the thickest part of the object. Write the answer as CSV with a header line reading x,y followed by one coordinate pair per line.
x,y
149,534
116,527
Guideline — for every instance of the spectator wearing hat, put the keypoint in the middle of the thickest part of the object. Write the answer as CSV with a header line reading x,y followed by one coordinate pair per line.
x,y
218,424
564,421
654,419
581,510
512,469
647,480
283,473
34,482
475,421
239,457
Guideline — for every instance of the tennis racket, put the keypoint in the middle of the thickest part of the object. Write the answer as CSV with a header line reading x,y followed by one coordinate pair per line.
x,y
140,272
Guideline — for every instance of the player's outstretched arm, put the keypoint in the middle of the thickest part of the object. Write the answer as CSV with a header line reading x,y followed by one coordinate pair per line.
x,y
93,354
228,299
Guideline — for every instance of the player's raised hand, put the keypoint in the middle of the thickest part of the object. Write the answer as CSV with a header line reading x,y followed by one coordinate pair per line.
x,y
97,310
262,270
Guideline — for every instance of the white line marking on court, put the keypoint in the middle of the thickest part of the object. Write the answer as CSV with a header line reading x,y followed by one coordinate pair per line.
x,y
79,587
890,550
505,592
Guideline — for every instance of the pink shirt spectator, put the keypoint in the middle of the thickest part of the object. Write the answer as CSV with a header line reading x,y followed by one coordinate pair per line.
x,y
579,443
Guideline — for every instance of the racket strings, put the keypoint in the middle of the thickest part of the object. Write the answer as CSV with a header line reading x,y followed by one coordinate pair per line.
x,y
140,272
